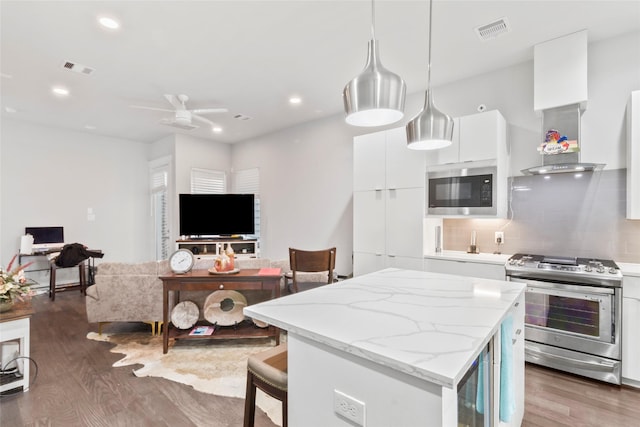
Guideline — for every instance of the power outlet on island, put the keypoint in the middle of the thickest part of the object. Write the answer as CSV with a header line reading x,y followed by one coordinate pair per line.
x,y
348,407
499,237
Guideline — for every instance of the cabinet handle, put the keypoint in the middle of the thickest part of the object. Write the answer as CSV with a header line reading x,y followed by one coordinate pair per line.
x,y
221,286
519,331
516,304
513,341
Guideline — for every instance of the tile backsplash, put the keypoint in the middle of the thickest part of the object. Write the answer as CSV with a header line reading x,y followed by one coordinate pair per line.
x,y
563,214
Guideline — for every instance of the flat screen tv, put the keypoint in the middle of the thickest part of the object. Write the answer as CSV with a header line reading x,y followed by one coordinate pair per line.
x,y
206,215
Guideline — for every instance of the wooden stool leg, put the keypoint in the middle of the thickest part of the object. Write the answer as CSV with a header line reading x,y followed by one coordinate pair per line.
x,y
250,402
285,410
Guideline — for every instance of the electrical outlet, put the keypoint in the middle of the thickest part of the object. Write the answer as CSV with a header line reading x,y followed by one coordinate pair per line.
x,y
499,237
348,407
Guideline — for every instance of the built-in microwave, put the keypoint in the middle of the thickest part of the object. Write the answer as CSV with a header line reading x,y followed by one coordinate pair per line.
x,y
462,191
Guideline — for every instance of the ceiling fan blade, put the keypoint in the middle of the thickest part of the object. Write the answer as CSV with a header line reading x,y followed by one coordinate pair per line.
x,y
203,119
208,110
142,107
173,100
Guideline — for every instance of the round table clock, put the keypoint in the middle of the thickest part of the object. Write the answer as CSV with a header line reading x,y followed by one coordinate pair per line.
x,y
181,261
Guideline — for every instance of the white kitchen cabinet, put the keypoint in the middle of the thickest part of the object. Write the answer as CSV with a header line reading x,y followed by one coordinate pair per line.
x,y
565,85
388,202
516,340
630,328
477,137
387,229
633,156
465,268
382,160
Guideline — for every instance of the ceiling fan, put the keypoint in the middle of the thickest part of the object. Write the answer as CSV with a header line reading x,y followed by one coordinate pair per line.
x,y
182,118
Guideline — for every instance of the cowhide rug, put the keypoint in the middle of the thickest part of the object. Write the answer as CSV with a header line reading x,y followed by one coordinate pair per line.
x,y
218,368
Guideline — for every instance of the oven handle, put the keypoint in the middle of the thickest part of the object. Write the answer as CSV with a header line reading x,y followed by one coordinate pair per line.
x,y
568,361
562,286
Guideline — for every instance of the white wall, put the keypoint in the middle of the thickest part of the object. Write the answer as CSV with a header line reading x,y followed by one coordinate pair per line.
x,y
306,180
191,153
51,177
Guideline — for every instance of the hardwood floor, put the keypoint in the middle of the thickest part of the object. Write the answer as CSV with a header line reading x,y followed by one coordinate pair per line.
x,y
77,386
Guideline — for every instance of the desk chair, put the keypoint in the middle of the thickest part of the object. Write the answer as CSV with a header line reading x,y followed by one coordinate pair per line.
x,y
311,262
267,371
82,279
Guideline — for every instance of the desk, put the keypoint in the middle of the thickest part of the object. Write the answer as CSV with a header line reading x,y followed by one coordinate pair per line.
x,y
15,325
202,280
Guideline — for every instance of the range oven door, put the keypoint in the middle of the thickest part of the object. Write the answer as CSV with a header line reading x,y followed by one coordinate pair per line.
x,y
575,317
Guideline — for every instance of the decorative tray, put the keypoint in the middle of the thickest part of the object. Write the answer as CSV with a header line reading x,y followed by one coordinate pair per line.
x,y
234,271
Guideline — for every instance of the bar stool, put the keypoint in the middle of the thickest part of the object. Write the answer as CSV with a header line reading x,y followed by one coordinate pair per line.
x,y
267,371
82,280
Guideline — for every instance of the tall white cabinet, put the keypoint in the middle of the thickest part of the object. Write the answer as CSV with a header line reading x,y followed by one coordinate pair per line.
x,y
388,202
630,336
633,156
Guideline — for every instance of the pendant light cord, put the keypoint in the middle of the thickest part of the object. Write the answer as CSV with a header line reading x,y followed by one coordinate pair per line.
x,y
429,64
373,20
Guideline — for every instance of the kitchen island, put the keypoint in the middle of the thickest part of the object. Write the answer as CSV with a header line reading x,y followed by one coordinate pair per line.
x,y
397,343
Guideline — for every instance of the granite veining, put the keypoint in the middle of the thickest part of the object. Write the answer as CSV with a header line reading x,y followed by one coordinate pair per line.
x,y
429,325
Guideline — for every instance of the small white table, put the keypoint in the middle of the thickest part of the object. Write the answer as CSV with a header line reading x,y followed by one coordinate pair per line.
x,y
15,325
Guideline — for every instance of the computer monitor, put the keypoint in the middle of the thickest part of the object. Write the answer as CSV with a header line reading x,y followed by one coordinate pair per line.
x,y
46,238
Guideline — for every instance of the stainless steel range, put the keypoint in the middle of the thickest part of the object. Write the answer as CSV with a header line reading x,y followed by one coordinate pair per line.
x,y
573,313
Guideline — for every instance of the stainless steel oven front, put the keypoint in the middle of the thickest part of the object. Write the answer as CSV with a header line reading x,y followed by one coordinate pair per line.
x,y
573,327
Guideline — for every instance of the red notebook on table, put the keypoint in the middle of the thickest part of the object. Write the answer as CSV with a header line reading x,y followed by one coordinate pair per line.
x,y
270,272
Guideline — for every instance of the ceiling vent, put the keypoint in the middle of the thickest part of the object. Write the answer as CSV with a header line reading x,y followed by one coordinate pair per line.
x,y
494,29
78,68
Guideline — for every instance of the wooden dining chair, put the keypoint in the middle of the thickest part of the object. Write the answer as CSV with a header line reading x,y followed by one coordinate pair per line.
x,y
320,261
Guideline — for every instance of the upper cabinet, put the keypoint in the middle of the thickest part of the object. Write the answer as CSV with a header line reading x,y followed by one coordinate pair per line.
x,y
382,160
477,137
560,72
633,156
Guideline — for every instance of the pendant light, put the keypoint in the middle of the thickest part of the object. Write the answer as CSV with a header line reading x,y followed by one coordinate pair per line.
x,y
431,128
376,96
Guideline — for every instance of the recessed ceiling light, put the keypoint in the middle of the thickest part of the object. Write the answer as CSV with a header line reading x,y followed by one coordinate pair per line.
x,y
108,22
295,100
216,129
60,91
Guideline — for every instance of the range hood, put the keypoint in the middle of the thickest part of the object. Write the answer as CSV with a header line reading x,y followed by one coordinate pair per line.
x,y
560,97
560,151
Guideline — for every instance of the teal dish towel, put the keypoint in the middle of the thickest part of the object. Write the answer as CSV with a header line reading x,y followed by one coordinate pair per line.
x,y
507,398
480,385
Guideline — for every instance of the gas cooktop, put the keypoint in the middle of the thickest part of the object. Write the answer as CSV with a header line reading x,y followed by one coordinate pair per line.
x,y
564,266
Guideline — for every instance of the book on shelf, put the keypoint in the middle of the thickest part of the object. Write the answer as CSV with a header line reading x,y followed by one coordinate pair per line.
x,y
202,330
269,272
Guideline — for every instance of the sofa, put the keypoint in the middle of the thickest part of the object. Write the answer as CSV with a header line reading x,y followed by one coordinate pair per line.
x,y
133,292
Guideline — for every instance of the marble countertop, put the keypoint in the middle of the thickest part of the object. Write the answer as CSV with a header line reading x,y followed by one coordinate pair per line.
x,y
628,269
428,325
487,258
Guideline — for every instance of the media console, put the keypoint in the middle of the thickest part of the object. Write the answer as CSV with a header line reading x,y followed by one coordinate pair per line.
x,y
203,248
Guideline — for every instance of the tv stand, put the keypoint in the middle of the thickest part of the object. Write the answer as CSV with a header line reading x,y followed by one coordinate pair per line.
x,y
211,247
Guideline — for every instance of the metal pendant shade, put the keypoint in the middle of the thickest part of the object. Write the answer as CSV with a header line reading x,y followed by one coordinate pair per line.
x,y
376,96
431,128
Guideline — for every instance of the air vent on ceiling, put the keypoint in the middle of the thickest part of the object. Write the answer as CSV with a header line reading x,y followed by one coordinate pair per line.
x,y
78,68
494,29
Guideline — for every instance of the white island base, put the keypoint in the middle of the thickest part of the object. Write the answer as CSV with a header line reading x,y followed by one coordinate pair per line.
x,y
392,349
391,398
